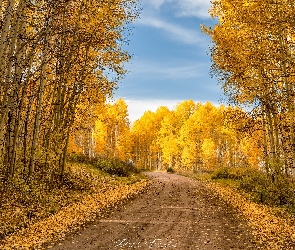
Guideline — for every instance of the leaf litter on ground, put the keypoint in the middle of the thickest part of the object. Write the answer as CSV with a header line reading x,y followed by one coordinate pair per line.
x,y
273,228
77,209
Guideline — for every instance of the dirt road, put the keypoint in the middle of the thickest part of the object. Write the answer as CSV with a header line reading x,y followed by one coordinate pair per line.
x,y
174,213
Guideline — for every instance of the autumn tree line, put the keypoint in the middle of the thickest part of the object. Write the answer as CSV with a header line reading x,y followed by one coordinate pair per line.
x,y
193,136
59,61
253,58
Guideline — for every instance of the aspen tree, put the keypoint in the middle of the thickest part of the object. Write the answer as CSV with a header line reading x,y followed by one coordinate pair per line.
x,y
253,44
54,56
197,136
146,151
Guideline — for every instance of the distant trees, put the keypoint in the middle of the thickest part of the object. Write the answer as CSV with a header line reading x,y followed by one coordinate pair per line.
x,y
54,60
106,135
196,136
193,136
146,150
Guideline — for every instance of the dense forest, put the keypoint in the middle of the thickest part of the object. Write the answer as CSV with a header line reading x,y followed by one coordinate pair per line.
x,y
60,62
56,58
194,136
253,57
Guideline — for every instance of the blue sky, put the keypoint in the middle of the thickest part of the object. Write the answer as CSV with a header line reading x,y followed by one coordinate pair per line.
x,y
171,60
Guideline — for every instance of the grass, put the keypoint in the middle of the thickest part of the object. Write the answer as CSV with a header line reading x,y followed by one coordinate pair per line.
x,y
277,191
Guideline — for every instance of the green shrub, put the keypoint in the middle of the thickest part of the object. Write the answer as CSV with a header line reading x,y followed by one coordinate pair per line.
x,y
112,166
170,170
115,166
220,173
233,173
78,157
268,189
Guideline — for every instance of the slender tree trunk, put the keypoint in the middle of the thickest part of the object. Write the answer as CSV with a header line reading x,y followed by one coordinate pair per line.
x,y
26,133
1,2
18,101
271,134
289,98
38,110
4,34
265,151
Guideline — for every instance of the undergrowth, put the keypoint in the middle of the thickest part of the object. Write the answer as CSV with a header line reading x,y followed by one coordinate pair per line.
x,y
170,170
276,190
23,203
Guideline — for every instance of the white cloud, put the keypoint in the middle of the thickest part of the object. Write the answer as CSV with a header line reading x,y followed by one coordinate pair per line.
x,y
156,3
136,108
170,71
196,8
176,32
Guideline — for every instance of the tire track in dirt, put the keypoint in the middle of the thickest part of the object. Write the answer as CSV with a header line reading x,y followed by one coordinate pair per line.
x,y
174,213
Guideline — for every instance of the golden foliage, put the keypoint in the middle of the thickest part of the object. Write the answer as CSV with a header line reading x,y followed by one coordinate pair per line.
x,y
253,58
55,64
106,134
196,136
